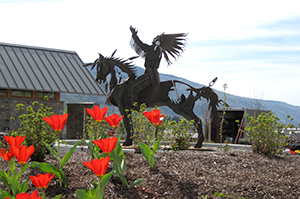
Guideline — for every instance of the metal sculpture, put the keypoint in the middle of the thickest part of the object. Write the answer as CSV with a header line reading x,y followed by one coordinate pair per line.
x,y
147,89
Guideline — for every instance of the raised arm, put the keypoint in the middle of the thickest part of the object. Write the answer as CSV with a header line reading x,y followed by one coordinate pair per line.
x,y
139,47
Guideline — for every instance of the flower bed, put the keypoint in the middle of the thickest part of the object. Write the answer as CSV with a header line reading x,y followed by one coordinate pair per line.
x,y
185,174
169,174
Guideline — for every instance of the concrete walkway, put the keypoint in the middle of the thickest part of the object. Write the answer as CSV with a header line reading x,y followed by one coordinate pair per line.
x,y
213,147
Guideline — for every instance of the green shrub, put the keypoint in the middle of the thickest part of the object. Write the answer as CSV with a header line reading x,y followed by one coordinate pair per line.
x,y
36,129
140,124
266,134
96,130
181,133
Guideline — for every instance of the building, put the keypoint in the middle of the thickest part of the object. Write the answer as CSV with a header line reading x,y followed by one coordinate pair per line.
x,y
30,73
234,119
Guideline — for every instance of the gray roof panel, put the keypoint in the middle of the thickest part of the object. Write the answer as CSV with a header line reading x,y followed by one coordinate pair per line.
x,y
11,70
44,69
85,73
29,56
5,77
32,78
44,77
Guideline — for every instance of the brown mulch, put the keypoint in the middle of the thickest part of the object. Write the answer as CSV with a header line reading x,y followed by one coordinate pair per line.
x,y
187,174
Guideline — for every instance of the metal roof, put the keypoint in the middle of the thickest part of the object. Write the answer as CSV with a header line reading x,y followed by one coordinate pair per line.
x,y
44,69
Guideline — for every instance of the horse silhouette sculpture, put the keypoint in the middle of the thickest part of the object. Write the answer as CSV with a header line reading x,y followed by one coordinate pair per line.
x,y
121,93
148,89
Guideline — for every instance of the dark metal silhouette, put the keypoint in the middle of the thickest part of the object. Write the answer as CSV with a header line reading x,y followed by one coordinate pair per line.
x,y
147,88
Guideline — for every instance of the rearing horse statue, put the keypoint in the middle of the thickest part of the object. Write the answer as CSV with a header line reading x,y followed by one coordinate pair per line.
x,y
147,89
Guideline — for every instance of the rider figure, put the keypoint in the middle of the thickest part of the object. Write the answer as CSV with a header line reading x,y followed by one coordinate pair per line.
x,y
164,44
152,55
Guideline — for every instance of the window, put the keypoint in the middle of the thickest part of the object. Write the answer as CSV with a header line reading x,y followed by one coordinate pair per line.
x,y
21,93
2,92
43,94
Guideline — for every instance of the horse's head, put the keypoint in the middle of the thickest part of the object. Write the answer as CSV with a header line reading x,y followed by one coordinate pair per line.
x,y
108,65
103,69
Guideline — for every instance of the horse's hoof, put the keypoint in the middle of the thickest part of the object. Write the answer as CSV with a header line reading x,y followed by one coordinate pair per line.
x,y
127,143
198,145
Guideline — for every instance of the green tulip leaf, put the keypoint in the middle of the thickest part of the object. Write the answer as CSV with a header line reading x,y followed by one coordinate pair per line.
x,y
106,178
137,182
46,167
23,186
93,148
93,190
81,194
4,194
58,196
147,153
5,178
15,184
68,155
156,144
51,150
12,166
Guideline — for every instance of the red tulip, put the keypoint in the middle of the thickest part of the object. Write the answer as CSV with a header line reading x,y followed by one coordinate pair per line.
x,y
22,154
154,117
113,120
6,155
14,141
107,144
41,181
34,195
57,122
97,113
98,166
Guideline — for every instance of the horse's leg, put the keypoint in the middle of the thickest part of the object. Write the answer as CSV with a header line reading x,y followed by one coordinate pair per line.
x,y
190,115
128,127
198,126
186,110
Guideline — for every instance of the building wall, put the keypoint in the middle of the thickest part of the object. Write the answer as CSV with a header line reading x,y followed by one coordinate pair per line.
x,y
8,109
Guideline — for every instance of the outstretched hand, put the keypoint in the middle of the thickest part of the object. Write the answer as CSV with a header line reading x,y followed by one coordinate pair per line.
x,y
133,30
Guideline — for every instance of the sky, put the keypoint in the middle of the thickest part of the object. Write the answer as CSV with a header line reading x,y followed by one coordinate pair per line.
x,y
252,46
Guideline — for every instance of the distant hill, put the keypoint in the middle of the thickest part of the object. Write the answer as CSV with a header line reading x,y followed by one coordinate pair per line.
x,y
280,109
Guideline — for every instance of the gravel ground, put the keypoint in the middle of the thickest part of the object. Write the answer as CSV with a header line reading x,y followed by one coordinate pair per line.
x,y
186,174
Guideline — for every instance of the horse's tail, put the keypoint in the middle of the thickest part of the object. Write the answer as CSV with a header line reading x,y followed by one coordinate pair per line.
x,y
213,102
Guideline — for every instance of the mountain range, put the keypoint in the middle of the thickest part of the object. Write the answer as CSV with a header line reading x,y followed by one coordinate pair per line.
x,y
280,109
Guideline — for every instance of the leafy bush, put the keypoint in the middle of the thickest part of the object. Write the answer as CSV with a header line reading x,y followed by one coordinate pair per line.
x,y
181,132
266,134
96,130
142,127
140,124
36,129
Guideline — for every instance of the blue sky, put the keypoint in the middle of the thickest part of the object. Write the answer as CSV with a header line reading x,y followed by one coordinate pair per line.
x,y
252,46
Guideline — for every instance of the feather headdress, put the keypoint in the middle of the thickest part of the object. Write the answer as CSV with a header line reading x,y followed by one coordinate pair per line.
x,y
170,44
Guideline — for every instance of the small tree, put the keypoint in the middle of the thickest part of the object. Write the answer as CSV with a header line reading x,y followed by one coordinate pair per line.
x,y
224,112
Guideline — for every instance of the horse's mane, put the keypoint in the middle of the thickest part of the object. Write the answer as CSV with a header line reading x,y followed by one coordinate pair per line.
x,y
125,65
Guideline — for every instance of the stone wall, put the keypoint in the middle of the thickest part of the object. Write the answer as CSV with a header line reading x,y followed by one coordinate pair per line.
x,y
76,120
8,109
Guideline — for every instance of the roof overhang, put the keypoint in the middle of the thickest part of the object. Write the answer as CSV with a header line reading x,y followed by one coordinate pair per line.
x,y
45,69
